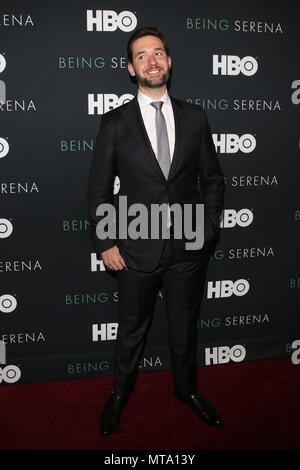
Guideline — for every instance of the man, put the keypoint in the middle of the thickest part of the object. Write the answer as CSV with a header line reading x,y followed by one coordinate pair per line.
x,y
162,150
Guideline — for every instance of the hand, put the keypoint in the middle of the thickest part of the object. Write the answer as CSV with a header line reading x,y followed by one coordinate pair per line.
x,y
113,259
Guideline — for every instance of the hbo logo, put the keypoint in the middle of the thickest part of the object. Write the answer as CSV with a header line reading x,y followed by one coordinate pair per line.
x,y
224,354
6,228
109,20
2,63
106,332
8,303
227,288
96,264
231,218
2,83
4,147
232,143
101,103
10,374
234,65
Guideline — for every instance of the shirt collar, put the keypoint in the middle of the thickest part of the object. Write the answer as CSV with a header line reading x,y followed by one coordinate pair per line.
x,y
144,100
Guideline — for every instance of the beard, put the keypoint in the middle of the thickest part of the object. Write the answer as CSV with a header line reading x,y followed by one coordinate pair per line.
x,y
154,83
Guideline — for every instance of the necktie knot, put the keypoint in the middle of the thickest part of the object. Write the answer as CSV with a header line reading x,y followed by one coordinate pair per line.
x,y
157,105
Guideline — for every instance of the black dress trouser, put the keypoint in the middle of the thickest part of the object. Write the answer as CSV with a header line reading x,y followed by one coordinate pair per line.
x,y
182,283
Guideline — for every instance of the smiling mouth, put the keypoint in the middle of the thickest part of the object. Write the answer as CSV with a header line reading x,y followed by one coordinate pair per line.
x,y
153,72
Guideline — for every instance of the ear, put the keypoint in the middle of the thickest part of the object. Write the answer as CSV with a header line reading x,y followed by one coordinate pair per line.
x,y
131,69
169,62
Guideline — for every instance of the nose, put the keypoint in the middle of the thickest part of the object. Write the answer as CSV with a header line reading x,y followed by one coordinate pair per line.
x,y
152,60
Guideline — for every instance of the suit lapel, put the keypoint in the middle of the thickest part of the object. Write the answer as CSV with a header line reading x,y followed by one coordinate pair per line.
x,y
132,115
177,155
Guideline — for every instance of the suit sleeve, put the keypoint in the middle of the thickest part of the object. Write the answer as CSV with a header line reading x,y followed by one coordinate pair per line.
x,y
210,177
101,180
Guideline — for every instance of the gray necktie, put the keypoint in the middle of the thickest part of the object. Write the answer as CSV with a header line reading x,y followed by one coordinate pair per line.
x,y
163,149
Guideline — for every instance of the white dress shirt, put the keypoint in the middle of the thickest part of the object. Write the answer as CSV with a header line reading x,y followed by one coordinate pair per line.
x,y
148,115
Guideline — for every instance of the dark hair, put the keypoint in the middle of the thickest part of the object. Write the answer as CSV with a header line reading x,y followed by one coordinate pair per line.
x,y
146,31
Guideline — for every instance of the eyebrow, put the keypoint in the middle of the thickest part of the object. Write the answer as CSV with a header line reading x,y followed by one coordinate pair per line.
x,y
156,49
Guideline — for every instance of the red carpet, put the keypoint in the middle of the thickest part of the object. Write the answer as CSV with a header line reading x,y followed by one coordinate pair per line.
x,y
259,402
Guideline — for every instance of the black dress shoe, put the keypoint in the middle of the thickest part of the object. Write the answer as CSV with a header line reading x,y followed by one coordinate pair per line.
x,y
110,417
203,409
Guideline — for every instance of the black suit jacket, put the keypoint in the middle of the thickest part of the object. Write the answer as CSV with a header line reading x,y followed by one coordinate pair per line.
x,y
123,148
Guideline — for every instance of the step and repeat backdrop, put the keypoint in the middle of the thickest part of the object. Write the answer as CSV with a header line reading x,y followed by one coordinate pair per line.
x,y
62,66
